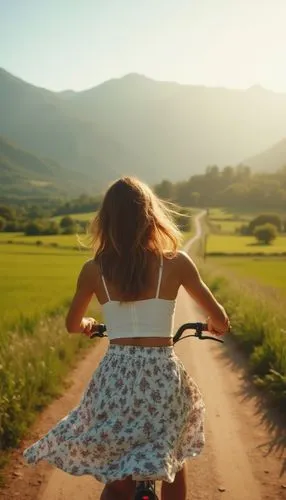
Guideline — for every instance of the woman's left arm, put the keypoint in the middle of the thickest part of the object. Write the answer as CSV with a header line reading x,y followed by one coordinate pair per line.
x,y
75,320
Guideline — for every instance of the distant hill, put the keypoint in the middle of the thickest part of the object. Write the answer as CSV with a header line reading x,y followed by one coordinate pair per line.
x,y
23,173
270,160
135,125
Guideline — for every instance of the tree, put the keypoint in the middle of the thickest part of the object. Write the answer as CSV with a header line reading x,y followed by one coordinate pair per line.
x,y
265,233
263,219
195,199
51,227
165,190
33,229
7,212
68,225
2,223
183,220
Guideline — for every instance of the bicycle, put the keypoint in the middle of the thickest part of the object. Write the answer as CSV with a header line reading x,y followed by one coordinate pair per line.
x,y
145,490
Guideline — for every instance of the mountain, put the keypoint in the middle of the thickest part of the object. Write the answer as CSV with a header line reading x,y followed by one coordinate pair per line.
x,y
136,125
270,160
41,121
24,174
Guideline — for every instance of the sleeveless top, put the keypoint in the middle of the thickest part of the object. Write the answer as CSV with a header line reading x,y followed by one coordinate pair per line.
x,y
141,318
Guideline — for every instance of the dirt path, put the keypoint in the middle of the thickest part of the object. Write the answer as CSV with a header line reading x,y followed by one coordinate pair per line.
x,y
244,457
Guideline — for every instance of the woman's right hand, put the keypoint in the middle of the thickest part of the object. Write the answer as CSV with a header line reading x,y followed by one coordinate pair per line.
x,y
218,330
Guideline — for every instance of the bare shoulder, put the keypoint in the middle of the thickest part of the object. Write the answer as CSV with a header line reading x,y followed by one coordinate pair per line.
x,y
90,271
180,259
181,262
184,266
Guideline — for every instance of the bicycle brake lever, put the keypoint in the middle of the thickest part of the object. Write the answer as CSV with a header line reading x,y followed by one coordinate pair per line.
x,y
208,337
99,330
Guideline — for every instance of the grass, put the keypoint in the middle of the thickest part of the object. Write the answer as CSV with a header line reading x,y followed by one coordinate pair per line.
x,y
32,366
258,320
265,271
35,350
243,245
223,222
80,217
61,240
35,279
225,226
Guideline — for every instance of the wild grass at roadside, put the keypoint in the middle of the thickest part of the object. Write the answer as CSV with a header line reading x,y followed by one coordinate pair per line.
x,y
258,324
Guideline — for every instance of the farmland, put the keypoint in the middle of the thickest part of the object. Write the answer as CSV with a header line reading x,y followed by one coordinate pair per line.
x,y
232,243
37,283
78,216
243,255
60,240
265,271
35,278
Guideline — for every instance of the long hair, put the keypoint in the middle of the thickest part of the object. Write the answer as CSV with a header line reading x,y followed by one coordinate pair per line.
x,y
130,224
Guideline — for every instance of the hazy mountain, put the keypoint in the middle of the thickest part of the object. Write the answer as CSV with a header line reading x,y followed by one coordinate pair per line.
x,y
26,174
42,122
270,160
137,125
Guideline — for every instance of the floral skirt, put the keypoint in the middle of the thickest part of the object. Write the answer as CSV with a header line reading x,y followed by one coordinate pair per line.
x,y
141,416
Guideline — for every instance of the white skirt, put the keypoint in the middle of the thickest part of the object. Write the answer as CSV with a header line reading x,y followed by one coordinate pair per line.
x,y
141,416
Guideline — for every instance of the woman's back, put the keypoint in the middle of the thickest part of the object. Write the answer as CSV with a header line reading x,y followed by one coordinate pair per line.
x,y
146,317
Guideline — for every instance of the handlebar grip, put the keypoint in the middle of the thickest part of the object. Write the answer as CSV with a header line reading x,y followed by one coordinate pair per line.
x,y
98,330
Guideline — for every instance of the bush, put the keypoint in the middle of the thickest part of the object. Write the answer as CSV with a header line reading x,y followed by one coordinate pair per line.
x,y
263,219
42,227
13,227
33,229
244,230
265,233
2,223
51,228
183,220
66,221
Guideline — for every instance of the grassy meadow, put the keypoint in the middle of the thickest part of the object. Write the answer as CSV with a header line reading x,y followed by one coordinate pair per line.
x,y
60,240
232,243
77,217
265,271
250,281
35,279
37,283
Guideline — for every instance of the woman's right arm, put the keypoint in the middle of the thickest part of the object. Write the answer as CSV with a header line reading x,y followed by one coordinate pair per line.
x,y
191,280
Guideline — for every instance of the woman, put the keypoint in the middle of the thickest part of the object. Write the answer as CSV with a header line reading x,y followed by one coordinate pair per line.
x,y
141,415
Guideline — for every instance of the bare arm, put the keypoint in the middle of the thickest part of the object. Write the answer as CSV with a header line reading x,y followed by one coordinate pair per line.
x,y
199,291
75,322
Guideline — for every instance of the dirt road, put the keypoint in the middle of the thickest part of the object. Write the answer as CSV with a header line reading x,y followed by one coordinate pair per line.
x,y
244,456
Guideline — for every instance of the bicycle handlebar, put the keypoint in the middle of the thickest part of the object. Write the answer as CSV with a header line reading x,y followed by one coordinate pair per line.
x,y
100,329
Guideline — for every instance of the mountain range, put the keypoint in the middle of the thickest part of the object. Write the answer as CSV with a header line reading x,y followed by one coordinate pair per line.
x,y
24,174
136,125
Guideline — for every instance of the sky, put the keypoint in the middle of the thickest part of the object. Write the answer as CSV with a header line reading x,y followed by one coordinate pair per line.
x,y
77,44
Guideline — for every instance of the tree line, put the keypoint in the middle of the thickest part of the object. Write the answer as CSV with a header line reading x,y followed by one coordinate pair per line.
x,y
229,187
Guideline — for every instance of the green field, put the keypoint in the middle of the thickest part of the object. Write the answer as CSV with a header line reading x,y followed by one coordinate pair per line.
x,y
265,271
61,240
243,244
226,226
36,279
80,217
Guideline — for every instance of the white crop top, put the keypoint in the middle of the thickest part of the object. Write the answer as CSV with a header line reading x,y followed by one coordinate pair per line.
x,y
141,318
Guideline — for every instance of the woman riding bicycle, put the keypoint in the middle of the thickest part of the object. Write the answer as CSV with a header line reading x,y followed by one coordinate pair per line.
x,y
141,415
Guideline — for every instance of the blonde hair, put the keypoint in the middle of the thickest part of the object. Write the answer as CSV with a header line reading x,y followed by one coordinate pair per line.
x,y
131,223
